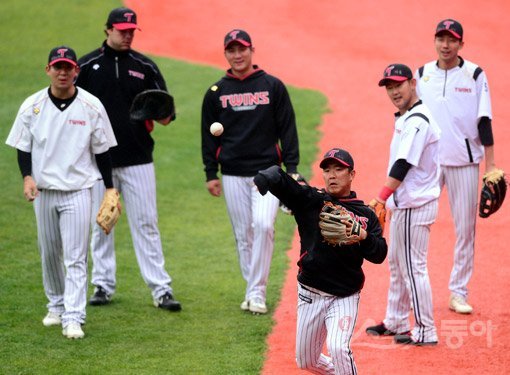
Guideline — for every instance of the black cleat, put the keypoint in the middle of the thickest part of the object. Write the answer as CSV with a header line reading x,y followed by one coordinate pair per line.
x,y
167,302
379,330
406,339
100,297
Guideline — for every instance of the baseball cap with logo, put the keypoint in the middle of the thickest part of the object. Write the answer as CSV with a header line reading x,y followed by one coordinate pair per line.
x,y
338,155
62,53
396,72
122,19
451,26
239,36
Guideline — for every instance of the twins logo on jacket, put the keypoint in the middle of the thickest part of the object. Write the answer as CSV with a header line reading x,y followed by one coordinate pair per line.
x,y
245,101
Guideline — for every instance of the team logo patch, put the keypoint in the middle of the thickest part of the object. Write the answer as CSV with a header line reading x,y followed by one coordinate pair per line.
x,y
245,101
344,323
132,73
36,111
95,66
426,79
214,88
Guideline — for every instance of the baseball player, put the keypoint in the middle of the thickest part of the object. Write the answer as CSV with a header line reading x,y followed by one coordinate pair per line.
x,y
411,191
116,74
257,115
457,93
62,135
330,277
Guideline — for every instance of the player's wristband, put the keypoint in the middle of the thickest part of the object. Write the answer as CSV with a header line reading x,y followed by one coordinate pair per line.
x,y
385,193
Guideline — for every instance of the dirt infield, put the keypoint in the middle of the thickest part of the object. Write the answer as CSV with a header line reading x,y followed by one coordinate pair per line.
x,y
341,48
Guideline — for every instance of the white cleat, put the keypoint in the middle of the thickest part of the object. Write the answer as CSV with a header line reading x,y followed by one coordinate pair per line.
x,y
245,305
459,305
52,319
73,331
257,306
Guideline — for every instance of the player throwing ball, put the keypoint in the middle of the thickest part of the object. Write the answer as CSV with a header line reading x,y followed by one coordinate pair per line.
x,y
411,191
257,117
338,232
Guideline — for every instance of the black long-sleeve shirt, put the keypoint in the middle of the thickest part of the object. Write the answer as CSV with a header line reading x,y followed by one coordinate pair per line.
x,y
116,77
257,117
332,269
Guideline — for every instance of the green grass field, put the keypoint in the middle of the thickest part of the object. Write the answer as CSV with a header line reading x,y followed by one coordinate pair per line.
x,y
211,335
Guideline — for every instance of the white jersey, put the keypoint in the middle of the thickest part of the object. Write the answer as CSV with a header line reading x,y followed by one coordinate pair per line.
x,y
458,101
62,143
416,140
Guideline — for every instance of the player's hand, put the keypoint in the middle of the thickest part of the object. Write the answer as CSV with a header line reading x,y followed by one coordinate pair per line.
x,y
214,187
29,188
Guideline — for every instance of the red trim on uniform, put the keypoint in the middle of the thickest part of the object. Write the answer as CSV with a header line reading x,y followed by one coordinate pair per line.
x,y
218,153
149,125
279,152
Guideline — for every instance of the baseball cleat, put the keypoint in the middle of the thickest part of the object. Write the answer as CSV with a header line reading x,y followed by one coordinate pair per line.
x,y
406,339
73,331
257,306
459,305
167,302
52,319
380,330
100,297
245,305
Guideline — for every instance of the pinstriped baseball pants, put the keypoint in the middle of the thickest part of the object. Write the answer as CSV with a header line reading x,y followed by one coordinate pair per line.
x,y
409,278
325,318
252,216
63,227
137,186
462,186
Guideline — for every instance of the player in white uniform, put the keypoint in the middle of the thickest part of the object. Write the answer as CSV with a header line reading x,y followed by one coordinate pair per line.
x,y
411,191
57,133
457,93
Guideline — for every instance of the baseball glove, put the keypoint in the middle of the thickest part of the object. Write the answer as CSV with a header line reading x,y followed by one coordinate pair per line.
x,y
110,210
380,211
152,105
493,192
302,181
337,226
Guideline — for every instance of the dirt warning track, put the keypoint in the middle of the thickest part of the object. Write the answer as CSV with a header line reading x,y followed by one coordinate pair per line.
x,y
341,48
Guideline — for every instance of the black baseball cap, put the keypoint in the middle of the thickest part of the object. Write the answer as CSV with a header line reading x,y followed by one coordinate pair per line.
x,y
239,36
396,72
62,53
122,19
451,26
338,155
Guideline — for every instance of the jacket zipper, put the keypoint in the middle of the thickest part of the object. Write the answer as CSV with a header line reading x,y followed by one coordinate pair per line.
x,y
117,66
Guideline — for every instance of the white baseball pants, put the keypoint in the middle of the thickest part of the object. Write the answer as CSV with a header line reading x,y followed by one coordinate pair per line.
x,y
137,186
409,278
63,230
252,216
321,318
462,186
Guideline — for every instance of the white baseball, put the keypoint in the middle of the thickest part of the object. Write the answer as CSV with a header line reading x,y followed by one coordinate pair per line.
x,y
216,129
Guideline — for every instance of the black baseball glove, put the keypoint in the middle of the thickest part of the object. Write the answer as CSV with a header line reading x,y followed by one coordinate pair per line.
x,y
493,192
152,105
